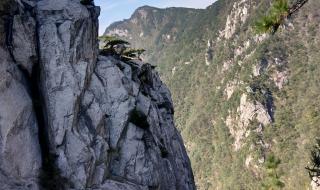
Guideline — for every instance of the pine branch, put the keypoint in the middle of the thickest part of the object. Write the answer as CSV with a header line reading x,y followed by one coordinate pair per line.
x,y
277,15
295,7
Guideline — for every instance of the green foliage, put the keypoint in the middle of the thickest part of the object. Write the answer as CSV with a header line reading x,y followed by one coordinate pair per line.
x,y
272,181
114,42
259,89
274,17
201,106
134,53
272,162
111,43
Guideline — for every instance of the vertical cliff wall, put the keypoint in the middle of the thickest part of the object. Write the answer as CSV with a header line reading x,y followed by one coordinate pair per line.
x,y
20,157
71,119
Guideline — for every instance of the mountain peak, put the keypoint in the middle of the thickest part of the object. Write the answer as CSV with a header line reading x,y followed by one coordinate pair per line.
x,y
147,7
143,12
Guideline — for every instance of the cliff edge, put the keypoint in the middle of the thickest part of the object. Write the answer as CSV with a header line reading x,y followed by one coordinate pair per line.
x,y
73,119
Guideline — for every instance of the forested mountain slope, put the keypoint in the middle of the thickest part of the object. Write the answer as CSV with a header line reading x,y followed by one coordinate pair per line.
x,y
247,104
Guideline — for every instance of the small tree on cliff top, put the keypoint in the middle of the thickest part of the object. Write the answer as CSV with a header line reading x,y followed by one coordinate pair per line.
x,y
134,53
112,41
115,46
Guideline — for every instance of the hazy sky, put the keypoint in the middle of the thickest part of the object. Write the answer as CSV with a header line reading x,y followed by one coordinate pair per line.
x,y
116,10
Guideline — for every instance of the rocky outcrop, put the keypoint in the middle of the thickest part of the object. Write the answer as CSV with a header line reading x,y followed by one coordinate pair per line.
x,y
315,184
209,53
71,119
133,128
246,113
238,15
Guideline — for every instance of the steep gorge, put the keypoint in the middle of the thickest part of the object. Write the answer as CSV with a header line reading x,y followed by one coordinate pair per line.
x,y
242,100
73,119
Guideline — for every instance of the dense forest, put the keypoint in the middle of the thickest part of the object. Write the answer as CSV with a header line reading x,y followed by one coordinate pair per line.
x,y
246,101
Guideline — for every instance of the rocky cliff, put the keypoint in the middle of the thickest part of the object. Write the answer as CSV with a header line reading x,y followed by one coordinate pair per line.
x,y
243,101
72,119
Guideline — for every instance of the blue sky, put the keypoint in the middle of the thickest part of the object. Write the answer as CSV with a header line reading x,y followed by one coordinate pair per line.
x,y
116,10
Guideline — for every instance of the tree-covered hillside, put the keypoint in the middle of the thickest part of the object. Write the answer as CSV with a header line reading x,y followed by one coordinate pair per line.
x,y
247,104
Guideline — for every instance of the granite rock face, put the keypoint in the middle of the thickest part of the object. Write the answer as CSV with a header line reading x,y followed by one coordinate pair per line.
x,y
71,119
127,117
20,155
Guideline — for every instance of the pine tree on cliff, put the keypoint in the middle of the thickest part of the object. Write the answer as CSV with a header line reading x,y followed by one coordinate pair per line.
x,y
279,11
115,42
134,53
113,45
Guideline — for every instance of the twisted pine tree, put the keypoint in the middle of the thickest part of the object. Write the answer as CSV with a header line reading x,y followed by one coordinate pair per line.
x,y
134,53
113,45
279,11
112,41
